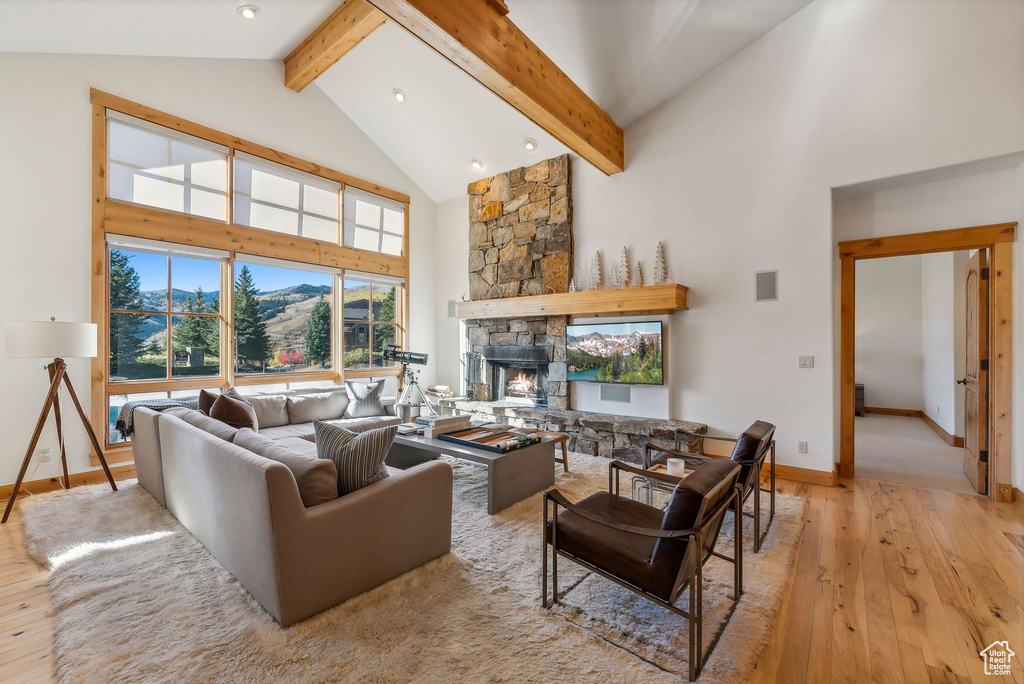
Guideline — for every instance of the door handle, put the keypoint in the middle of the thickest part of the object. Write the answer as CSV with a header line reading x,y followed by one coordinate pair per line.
x,y
962,382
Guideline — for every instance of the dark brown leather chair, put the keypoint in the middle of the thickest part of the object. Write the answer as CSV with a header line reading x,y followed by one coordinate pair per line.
x,y
750,451
653,553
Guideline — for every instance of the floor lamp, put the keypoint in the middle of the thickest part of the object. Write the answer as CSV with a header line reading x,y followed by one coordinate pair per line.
x,y
44,340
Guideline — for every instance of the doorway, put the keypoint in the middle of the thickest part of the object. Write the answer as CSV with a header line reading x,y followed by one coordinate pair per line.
x,y
991,384
910,354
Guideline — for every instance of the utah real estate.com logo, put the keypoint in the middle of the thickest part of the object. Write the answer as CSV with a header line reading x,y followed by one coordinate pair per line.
x,y
997,658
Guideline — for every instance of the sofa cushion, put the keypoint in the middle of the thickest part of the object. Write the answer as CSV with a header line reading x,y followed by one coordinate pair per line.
x,y
305,408
302,431
364,399
316,478
235,411
359,457
271,409
204,423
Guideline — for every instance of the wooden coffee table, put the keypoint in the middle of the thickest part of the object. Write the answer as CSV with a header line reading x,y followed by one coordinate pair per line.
x,y
511,476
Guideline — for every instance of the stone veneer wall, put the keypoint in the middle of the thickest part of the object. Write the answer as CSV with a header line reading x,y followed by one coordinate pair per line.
x,y
597,434
520,243
520,231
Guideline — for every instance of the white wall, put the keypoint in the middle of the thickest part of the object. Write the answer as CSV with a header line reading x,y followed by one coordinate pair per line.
x,y
734,175
45,176
938,331
451,277
890,363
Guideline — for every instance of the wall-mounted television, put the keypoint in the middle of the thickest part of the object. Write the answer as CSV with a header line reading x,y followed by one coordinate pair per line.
x,y
629,353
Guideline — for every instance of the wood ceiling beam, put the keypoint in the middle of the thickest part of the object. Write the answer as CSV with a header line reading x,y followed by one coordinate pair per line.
x,y
331,41
477,37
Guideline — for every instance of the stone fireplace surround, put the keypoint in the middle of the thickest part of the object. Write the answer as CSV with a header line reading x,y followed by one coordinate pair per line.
x,y
521,244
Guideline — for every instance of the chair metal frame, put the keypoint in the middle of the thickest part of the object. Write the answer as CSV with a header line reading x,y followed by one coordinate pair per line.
x,y
690,572
677,452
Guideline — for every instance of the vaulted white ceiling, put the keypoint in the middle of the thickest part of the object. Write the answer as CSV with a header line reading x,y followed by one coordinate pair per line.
x,y
629,55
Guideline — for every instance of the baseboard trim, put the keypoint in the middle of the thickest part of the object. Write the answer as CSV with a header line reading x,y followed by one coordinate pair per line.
x,y
918,413
946,437
819,477
52,483
1018,496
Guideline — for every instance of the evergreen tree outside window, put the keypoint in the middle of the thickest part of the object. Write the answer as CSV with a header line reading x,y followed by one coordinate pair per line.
x,y
282,318
371,323
159,329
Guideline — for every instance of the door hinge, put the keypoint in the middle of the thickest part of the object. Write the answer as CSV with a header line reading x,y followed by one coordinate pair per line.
x,y
984,365
984,273
983,455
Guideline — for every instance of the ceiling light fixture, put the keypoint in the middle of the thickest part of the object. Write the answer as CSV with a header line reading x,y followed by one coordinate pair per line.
x,y
530,144
476,164
248,11
399,95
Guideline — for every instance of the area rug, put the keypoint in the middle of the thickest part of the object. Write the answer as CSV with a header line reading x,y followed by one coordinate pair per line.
x,y
137,598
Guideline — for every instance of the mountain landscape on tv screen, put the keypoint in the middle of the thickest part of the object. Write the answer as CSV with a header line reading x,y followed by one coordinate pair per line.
x,y
635,357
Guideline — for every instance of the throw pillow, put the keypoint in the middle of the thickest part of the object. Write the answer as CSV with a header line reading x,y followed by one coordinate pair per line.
x,y
364,399
207,398
235,411
359,457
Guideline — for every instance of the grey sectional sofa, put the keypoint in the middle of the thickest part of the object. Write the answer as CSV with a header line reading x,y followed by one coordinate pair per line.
x,y
297,553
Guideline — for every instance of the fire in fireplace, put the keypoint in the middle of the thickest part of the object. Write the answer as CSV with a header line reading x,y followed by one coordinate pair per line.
x,y
518,374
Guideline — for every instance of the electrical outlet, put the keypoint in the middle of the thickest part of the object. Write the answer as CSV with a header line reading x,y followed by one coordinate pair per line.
x,y
44,455
801,447
807,362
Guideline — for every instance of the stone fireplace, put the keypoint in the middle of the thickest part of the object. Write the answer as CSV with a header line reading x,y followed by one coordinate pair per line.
x,y
520,243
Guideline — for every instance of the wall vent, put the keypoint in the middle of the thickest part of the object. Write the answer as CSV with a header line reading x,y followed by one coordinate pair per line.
x,y
767,286
618,393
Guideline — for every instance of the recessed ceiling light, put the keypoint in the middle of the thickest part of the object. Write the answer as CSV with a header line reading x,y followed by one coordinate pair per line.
x,y
530,144
249,11
399,95
476,164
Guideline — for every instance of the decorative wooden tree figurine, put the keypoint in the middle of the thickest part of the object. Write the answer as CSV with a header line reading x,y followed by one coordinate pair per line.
x,y
572,284
659,265
622,274
638,275
613,278
595,271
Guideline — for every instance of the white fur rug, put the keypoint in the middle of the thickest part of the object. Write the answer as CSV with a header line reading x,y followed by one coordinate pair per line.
x,y
137,598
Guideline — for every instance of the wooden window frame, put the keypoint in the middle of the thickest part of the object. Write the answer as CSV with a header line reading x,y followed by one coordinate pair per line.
x,y
140,221
998,239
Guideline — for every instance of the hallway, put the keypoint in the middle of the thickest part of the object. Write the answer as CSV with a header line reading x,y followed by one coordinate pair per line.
x,y
906,451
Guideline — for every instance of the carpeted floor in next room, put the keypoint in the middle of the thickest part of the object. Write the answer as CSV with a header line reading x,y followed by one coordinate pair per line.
x,y
137,598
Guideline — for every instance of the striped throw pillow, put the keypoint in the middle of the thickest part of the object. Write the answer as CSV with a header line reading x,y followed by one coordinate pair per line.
x,y
359,457
364,399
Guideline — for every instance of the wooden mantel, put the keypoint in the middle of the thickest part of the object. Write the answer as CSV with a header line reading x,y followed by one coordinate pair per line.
x,y
627,301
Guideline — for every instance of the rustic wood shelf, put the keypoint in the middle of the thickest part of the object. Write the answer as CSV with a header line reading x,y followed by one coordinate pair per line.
x,y
646,300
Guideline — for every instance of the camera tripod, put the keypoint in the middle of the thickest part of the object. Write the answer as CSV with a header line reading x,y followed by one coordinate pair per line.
x,y
412,384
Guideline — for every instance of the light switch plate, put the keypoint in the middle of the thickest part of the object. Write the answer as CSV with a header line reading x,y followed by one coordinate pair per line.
x,y
807,362
801,447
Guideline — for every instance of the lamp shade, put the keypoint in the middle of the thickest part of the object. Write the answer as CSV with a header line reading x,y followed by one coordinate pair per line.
x,y
49,340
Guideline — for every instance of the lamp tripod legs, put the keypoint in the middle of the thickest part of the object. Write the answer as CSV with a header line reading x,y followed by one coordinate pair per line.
x,y
58,374
60,432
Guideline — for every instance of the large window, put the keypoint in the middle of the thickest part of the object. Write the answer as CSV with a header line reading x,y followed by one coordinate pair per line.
x,y
186,306
164,312
371,320
373,223
282,317
161,168
278,198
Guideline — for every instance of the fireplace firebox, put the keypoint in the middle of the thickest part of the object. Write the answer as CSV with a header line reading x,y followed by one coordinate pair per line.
x,y
518,374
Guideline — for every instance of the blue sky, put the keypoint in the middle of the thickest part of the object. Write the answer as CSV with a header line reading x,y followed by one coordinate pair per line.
x,y
614,328
188,273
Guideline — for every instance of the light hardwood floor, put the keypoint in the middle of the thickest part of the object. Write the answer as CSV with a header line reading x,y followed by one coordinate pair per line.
x,y
891,583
